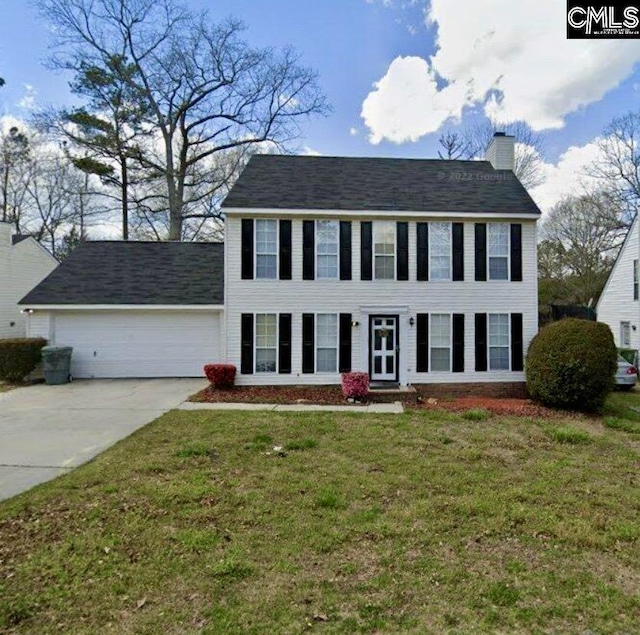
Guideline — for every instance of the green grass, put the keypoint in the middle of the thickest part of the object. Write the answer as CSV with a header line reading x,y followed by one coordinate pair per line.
x,y
426,522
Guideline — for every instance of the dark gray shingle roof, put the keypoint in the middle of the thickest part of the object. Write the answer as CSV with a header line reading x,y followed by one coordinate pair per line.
x,y
358,184
109,272
18,238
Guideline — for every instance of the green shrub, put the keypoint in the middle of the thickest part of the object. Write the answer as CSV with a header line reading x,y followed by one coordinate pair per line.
x,y
19,357
571,364
629,354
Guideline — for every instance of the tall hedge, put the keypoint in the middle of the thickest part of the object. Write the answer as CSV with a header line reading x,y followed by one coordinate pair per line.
x,y
19,357
571,364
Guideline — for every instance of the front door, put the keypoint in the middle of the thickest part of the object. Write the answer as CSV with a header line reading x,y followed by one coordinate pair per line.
x,y
383,347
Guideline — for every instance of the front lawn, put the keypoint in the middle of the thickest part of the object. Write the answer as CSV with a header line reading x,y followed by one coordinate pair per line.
x,y
426,522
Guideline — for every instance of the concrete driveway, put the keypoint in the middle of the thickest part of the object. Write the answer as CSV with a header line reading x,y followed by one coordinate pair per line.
x,y
46,431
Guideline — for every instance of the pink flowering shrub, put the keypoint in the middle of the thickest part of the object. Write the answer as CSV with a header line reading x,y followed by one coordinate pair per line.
x,y
355,385
221,375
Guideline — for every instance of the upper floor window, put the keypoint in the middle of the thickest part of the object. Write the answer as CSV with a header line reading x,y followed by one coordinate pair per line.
x,y
266,342
267,249
498,341
327,241
498,250
440,338
635,279
326,343
384,250
440,251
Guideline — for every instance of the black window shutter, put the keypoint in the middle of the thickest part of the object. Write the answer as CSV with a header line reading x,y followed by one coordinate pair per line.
x,y
308,343
285,250
516,342
246,339
344,363
402,238
366,251
422,253
457,231
481,251
422,342
284,343
458,343
345,250
481,341
247,249
516,252
308,249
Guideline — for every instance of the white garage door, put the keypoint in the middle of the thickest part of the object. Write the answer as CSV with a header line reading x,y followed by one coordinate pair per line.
x,y
139,343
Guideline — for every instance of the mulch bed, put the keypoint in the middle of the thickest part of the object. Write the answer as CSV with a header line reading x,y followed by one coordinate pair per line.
x,y
494,405
332,395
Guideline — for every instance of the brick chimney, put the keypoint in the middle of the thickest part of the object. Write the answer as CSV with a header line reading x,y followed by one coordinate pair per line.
x,y
6,229
501,151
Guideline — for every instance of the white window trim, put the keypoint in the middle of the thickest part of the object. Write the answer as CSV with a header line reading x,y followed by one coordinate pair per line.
x,y
315,343
508,346
255,249
255,344
395,250
508,256
315,247
623,324
431,278
450,369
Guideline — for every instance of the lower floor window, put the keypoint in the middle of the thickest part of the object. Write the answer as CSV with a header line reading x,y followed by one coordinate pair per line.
x,y
326,343
266,342
625,334
499,341
440,338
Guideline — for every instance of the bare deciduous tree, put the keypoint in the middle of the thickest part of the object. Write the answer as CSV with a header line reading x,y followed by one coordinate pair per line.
x,y
203,89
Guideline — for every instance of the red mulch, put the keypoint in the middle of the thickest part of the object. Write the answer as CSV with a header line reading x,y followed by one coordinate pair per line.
x,y
332,395
494,405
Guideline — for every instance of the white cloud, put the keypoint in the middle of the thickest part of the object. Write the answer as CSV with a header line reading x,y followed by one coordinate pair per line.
x,y
353,131
511,58
28,100
310,152
566,177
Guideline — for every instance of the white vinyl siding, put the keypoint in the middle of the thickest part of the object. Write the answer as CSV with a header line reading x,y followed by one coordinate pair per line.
x,y
266,249
327,249
498,251
440,342
326,343
266,342
384,250
440,251
499,341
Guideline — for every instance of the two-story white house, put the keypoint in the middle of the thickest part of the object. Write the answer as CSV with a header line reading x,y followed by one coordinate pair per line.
x,y
415,271
23,264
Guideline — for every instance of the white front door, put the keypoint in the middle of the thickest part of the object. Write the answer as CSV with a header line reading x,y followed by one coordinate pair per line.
x,y
384,347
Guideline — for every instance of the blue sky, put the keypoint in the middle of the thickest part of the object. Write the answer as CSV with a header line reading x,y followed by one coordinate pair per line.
x,y
396,79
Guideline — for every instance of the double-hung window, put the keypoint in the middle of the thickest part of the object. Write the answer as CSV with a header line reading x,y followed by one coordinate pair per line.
x,y
499,341
498,252
440,338
384,250
635,279
326,343
266,342
440,251
327,249
267,249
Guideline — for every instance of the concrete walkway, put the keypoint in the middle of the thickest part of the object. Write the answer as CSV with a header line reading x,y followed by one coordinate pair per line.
x,y
46,431
382,408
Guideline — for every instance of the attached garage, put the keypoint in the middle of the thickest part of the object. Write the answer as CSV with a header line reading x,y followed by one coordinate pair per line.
x,y
138,343
148,310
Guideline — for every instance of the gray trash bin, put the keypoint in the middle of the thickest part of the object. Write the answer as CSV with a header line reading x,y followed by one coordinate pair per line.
x,y
56,364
